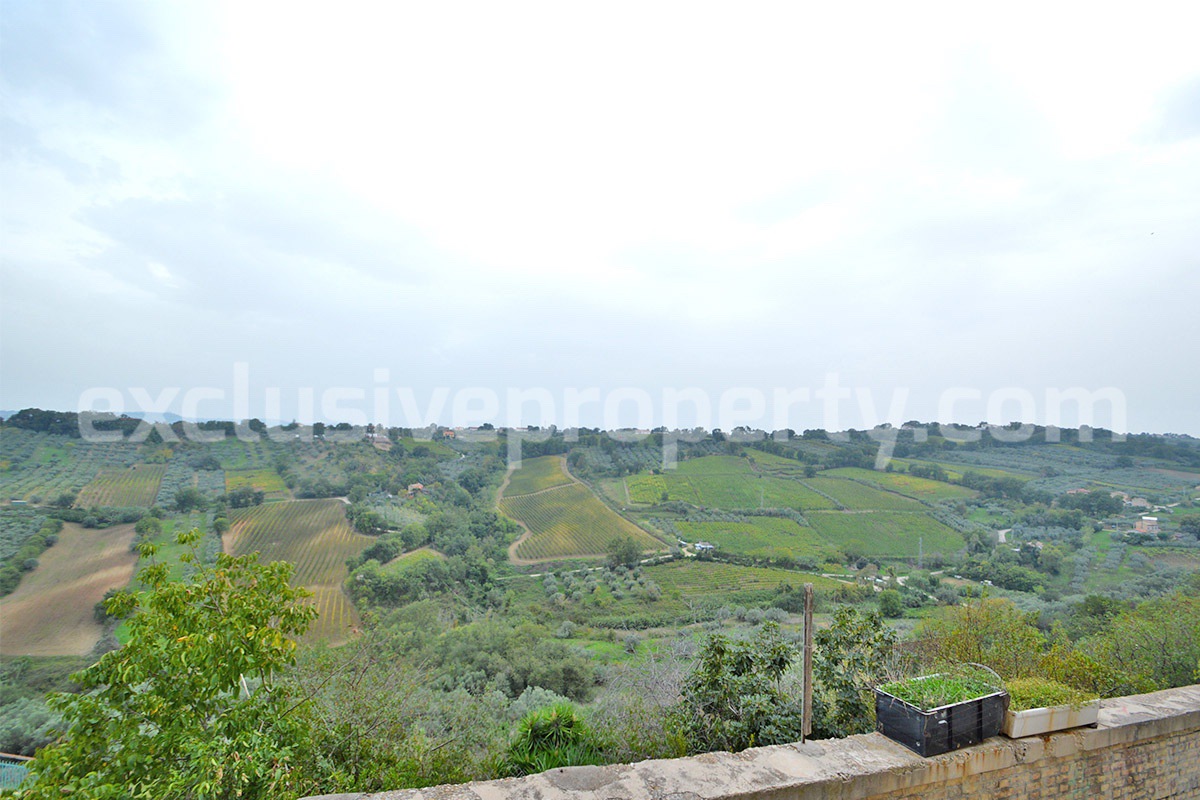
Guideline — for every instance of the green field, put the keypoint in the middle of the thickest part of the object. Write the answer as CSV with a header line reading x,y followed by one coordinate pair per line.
x,y
955,471
693,578
568,522
136,486
647,489
886,534
910,485
313,535
264,480
760,537
715,465
723,482
536,474
777,465
405,560
857,497
433,447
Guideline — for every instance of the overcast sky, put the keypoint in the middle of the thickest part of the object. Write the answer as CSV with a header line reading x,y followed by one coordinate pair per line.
x,y
910,200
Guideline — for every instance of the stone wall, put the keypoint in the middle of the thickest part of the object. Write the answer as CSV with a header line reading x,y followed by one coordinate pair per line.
x,y
1147,746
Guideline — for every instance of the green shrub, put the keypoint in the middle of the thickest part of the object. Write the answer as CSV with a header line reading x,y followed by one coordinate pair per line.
x,y
554,736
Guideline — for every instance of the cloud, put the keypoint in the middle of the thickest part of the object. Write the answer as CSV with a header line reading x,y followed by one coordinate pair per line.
x,y
548,195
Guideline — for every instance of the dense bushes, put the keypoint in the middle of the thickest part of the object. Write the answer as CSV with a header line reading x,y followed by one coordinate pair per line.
x,y
26,556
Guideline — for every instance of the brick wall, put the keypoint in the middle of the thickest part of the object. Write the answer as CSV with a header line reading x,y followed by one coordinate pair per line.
x,y
1144,747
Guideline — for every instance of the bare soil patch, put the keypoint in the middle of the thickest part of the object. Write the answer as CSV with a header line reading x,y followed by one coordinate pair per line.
x,y
51,612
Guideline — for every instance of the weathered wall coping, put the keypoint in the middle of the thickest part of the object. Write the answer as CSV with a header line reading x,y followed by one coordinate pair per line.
x,y
846,769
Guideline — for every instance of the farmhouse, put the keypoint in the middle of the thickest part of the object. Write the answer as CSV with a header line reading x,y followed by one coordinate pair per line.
x,y
1147,525
704,547
413,488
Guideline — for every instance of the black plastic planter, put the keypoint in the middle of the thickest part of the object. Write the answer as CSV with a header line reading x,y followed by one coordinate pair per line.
x,y
939,730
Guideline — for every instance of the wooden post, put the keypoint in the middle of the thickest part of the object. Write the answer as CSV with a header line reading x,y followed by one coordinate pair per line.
x,y
806,723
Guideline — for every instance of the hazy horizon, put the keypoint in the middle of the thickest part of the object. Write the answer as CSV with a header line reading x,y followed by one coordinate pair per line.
x,y
938,209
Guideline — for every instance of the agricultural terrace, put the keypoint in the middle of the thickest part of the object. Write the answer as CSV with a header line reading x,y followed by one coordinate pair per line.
x,y
777,465
692,578
910,485
263,480
723,482
537,474
858,497
51,612
885,534
759,537
136,486
568,522
315,536
430,446
955,471
41,466
233,453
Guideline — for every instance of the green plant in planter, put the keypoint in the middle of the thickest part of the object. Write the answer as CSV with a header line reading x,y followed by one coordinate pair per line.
x,y
956,685
1027,693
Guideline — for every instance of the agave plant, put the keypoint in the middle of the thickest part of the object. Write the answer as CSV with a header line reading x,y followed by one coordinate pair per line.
x,y
550,737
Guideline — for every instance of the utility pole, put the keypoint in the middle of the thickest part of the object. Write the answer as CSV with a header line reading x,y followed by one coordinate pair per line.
x,y
806,718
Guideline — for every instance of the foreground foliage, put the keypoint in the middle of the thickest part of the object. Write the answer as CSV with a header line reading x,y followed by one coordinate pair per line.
x,y
734,698
188,708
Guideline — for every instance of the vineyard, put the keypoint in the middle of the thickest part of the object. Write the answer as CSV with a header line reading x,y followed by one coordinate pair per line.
x,y
136,486
857,497
955,471
725,482
886,534
50,613
570,522
536,474
759,537
726,491
646,489
911,485
315,537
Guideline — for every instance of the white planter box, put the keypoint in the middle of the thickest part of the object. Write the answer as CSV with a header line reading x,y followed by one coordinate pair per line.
x,y
1037,721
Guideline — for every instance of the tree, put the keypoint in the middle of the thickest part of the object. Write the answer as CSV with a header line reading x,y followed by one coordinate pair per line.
x,y
891,604
64,500
733,699
243,497
148,527
623,551
189,707
1190,525
189,500
1157,644
850,656
992,632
